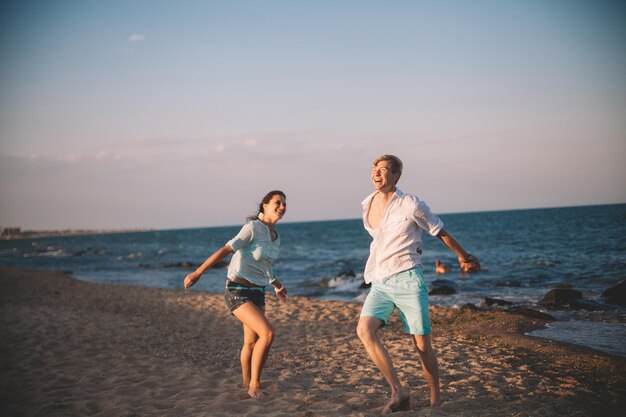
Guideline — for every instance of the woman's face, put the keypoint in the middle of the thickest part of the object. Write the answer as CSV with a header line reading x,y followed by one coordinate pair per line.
x,y
275,209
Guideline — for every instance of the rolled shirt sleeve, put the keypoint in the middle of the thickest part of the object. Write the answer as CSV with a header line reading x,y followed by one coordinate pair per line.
x,y
426,219
243,237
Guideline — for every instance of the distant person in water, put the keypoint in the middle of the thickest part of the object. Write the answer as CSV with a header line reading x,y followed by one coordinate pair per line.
x,y
395,221
440,267
255,249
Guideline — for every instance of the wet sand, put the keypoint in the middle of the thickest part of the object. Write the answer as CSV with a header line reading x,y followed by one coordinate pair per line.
x,y
73,348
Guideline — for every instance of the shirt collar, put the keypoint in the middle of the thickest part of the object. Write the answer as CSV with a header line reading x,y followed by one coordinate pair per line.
x,y
368,199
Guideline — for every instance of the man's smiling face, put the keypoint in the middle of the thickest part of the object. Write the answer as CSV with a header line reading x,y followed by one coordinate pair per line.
x,y
382,177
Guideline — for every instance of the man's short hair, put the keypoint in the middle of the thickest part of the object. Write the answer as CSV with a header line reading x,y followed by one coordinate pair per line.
x,y
396,163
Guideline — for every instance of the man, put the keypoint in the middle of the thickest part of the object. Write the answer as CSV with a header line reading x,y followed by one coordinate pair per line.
x,y
395,221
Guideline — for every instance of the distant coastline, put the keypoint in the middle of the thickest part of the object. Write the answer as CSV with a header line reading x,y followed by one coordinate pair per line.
x,y
17,233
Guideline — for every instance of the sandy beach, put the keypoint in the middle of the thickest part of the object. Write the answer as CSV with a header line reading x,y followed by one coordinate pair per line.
x,y
73,348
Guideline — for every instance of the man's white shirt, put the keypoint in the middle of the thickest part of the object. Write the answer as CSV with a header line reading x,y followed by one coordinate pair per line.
x,y
396,244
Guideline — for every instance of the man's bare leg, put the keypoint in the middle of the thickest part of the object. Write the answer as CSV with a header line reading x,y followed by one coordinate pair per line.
x,y
367,331
430,367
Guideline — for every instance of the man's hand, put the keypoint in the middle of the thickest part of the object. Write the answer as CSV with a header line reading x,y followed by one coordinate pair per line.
x,y
470,264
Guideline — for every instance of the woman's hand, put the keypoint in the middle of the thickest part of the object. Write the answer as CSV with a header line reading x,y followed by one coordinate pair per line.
x,y
281,292
190,280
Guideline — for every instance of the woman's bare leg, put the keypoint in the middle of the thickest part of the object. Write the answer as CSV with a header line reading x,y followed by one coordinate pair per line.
x,y
249,340
254,318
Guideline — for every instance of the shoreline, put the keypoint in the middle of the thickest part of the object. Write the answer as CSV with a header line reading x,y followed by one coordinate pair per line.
x,y
563,324
73,347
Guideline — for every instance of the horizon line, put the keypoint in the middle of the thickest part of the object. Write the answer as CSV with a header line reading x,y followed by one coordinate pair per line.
x,y
122,230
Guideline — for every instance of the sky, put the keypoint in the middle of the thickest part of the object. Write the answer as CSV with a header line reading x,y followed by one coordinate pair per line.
x,y
176,114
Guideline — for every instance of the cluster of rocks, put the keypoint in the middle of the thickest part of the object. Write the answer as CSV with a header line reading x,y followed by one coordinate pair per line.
x,y
616,294
442,287
556,298
565,297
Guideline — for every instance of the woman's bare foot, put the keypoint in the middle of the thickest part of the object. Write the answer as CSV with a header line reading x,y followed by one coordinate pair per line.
x,y
400,401
254,391
245,384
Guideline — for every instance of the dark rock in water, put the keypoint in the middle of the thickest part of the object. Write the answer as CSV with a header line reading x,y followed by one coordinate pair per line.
x,y
344,276
443,282
442,287
350,274
529,312
183,264
468,307
488,302
88,250
562,286
347,273
442,290
587,305
323,282
565,297
512,284
616,294
560,297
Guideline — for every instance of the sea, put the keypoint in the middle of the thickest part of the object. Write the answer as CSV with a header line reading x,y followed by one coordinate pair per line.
x,y
524,253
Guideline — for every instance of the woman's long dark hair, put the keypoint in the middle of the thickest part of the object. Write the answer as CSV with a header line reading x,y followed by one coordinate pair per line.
x,y
266,200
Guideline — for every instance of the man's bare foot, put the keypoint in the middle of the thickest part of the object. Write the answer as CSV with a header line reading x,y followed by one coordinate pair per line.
x,y
436,403
400,401
254,391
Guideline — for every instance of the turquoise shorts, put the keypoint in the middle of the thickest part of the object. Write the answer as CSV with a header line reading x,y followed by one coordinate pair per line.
x,y
405,291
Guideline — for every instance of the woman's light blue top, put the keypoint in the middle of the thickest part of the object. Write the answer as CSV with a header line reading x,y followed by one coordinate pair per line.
x,y
255,253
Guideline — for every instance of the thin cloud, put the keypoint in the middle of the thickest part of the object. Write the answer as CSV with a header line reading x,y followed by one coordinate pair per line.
x,y
251,143
136,37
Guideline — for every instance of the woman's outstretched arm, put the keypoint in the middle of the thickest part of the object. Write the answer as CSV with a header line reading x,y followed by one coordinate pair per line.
x,y
192,278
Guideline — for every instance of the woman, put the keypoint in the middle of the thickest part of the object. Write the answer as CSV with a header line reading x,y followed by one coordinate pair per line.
x,y
255,249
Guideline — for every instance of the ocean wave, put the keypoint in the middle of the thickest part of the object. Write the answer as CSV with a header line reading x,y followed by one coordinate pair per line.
x,y
130,256
345,286
8,251
47,251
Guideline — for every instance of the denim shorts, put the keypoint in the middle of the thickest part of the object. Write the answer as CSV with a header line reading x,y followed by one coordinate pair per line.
x,y
405,291
236,295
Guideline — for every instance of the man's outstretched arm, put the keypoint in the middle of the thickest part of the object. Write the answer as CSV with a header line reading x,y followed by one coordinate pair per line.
x,y
467,261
